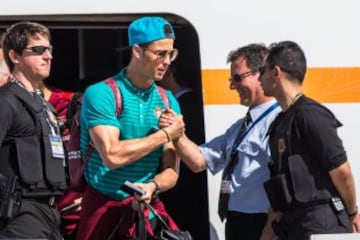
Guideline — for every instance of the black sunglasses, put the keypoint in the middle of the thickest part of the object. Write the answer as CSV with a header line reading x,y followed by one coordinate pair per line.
x,y
240,77
40,49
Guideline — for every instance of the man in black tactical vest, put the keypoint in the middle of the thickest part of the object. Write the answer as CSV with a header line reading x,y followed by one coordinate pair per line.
x,y
31,151
311,182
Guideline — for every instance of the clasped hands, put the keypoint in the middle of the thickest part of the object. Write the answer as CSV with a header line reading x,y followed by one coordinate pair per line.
x,y
172,123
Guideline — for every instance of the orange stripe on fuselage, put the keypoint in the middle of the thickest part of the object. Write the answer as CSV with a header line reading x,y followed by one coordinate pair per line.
x,y
327,85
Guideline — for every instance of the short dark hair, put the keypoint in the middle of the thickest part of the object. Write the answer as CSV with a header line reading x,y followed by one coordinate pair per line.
x,y
289,56
17,38
254,54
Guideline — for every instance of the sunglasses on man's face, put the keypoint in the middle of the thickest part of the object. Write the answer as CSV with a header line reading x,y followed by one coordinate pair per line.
x,y
162,54
240,77
40,49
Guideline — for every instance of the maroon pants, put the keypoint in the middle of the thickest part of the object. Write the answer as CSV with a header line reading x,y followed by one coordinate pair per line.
x,y
69,222
101,214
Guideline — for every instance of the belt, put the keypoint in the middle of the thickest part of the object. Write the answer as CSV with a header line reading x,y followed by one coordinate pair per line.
x,y
313,203
234,214
49,200
302,206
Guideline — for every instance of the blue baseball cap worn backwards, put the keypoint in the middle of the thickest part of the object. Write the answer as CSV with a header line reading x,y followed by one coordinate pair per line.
x,y
149,29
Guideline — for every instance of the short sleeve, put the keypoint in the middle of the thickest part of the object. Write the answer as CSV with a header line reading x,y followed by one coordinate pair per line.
x,y
99,106
216,151
320,131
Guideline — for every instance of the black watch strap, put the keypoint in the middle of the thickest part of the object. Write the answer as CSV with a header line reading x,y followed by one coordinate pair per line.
x,y
157,189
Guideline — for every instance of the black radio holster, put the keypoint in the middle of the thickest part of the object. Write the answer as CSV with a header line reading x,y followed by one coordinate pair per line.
x,y
7,195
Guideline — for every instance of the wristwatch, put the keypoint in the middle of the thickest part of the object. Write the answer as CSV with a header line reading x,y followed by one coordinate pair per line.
x,y
157,187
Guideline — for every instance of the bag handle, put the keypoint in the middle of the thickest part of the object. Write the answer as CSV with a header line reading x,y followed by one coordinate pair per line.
x,y
157,215
141,221
167,233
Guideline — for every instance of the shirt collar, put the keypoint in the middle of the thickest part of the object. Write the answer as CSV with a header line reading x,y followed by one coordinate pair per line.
x,y
128,84
258,110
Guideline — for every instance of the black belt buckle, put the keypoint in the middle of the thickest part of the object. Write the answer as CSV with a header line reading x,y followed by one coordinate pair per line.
x,y
51,201
48,200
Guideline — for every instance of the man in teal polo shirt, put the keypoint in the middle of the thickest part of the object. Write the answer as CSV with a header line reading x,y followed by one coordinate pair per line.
x,y
129,147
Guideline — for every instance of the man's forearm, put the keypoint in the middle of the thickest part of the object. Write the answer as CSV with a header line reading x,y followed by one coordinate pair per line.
x,y
166,179
190,154
117,153
169,170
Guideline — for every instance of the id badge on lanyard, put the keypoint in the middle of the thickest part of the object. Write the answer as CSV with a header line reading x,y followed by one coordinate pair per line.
x,y
226,186
57,147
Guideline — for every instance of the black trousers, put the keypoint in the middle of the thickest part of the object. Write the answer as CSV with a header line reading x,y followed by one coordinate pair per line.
x,y
32,219
244,226
301,223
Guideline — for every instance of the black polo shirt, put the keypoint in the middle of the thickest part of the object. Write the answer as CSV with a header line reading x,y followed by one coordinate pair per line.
x,y
313,131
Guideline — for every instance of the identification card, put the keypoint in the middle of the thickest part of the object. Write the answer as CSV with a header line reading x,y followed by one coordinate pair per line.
x,y
225,186
57,147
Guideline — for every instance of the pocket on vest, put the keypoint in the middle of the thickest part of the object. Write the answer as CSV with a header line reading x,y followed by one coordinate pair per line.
x,y
29,159
302,178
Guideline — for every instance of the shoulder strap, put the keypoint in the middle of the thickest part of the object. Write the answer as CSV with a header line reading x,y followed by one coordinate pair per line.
x,y
25,97
112,84
163,96
118,99
28,102
72,107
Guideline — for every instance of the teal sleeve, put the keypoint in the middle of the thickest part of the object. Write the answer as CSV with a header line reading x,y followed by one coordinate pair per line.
x,y
98,106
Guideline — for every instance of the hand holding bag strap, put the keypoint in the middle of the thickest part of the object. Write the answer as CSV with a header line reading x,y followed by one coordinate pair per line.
x,y
141,230
167,232
160,218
